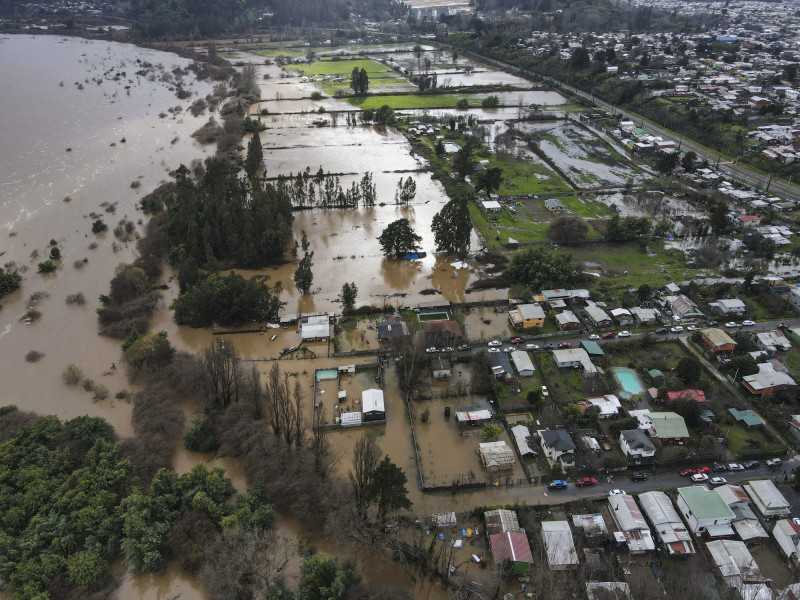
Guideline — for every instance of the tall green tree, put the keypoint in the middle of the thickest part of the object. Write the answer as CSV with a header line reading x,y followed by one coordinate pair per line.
x,y
399,238
322,579
387,488
463,162
452,227
9,280
541,269
255,156
406,191
348,297
359,81
303,276
489,180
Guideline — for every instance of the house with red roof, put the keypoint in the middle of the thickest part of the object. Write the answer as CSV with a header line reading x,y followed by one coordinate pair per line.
x,y
513,547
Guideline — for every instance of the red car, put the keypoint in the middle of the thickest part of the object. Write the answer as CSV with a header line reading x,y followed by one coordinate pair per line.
x,y
705,470
565,345
585,481
687,472
517,340
608,335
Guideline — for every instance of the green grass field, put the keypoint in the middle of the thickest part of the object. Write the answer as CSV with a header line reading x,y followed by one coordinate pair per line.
x,y
276,52
522,176
345,66
414,100
590,209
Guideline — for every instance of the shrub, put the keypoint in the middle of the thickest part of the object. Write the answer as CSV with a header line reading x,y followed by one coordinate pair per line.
x,y
47,266
490,102
462,103
201,436
78,298
34,356
98,226
316,95
72,375
99,392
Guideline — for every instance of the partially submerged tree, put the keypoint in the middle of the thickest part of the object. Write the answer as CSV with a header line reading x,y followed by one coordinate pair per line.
x,y
399,238
452,227
303,276
348,297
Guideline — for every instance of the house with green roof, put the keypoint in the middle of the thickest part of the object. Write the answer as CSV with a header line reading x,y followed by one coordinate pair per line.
x,y
669,427
705,511
746,417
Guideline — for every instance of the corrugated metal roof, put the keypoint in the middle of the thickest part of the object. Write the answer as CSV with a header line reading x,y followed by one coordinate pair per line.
x,y
559,544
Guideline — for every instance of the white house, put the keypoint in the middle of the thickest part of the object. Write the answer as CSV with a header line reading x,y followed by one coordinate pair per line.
x,y
728,306
787,534
644,315
670,530
767,498
636,445
628,518
372,405
560,546
622,316
558,446
522,362
705,511
772,341
574,358
608,406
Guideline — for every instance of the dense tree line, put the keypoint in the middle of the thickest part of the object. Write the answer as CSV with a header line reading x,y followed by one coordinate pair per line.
x,y
540,269
323,190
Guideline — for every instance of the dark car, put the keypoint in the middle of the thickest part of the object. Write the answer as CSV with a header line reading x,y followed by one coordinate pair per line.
x,y
639,477
558,484
608,335
662,331
565,345
719,468
586,481
687,472
712,323
548,347
751,464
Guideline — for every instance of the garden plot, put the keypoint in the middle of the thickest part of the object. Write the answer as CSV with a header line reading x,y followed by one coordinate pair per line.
x,y
585,158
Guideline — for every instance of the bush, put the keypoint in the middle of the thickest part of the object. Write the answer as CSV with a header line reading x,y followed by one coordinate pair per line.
x,y
316,95
47,266
201,436
34,356
72,375
98,226
490,102
55,253
78,298
462,103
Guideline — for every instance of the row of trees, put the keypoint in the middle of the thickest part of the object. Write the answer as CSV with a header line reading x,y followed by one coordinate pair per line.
x,y
359,81
323,190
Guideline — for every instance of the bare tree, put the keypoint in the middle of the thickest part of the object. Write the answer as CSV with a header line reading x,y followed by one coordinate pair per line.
x,y
277,399
253,392
221,375
298,425
366,456
325,457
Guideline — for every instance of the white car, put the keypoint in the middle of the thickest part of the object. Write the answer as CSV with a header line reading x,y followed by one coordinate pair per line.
x,y
448,349
692,328
748,323
531,346
715,481
508,349
624,334
594,336
545,392
494,349
495,343
431,349
699,477
616,492
676,329
731,324
733,467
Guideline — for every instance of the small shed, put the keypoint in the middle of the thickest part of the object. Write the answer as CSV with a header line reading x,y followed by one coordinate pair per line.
x,y
522,362
372,405
496,456
501,520
440,367
350,419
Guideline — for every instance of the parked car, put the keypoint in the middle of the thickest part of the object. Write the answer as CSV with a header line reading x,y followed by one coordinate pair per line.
x,y
731,324
774,462
751,464
557,484
661,331
639,477
495,343
565,345
449,349
431,349
584,481
616,492
531,346
676,329
517,340
548,347
719,468
692,328
508,349
594,336
715,481
465,347
545,391
705,470
712,323
687,472
624,334
735,467
494,349
748,323
699,477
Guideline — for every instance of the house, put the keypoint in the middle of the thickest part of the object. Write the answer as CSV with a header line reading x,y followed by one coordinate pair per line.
x,y
746,417
521,435
568,321
745,220
767,381
669,427
745,522
440,367
696,395
738,569
574,358
559,545
645,420
767,498
644,316
372,405
491,206
684,308
787,533
772,341
527,316
704,511
629,520
500,365
607,406
794,298
554,205
672,288
391,331
592,348
794,426
670,530
728,307
622,316
501,521
593,527
514,548
522,362
469,416
579,296
598,317
636,446
441,333
717,341
496,456
315,328
608,590
558,446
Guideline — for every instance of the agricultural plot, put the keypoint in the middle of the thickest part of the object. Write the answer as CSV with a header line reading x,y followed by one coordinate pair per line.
x,y
334,74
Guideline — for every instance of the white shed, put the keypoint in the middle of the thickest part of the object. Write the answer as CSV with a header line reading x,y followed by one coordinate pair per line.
x,y
372,405
522,363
